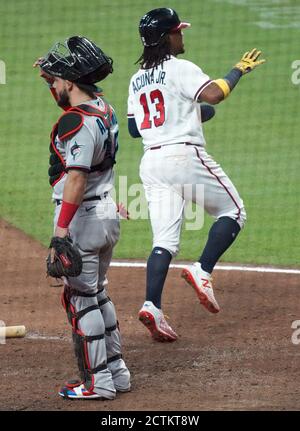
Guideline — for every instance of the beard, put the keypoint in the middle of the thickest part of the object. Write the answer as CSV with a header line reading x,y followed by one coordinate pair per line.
x,y
63,99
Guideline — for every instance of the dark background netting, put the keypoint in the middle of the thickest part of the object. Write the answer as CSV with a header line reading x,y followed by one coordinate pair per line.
x,y
255,134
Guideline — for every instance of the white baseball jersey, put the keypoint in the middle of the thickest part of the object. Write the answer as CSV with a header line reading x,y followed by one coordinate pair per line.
x,y
163,101
87,149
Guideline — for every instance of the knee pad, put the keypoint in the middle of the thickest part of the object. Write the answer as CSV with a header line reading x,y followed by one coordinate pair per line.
x,y
107,309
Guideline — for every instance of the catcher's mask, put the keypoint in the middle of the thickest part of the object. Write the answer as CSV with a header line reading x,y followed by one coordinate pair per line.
x,y
158,22
78,60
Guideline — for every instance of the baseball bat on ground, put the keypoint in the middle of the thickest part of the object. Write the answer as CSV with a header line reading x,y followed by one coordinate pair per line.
x,y
13,331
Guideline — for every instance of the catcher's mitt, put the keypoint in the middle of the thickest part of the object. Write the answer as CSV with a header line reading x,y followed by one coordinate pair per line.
x,y
67,260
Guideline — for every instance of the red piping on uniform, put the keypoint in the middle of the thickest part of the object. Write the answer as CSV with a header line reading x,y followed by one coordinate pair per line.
x,y
110,114
92,114
86,355
201,89
79,332
58,179
92,383
218,179
53,135
106,106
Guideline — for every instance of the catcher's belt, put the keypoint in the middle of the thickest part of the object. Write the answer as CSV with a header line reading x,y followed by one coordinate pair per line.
x,y
92,198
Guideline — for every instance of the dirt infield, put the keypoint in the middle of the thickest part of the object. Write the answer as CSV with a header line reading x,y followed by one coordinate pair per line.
x,y
240,359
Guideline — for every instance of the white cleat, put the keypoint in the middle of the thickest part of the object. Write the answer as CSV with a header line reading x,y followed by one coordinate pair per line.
x,y
202,284
154,320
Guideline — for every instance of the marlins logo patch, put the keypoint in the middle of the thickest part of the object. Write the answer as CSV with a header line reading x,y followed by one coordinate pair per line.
x,y
75,150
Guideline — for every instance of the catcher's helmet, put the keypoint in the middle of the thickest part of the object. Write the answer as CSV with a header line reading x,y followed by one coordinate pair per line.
x,y
77,59
156,23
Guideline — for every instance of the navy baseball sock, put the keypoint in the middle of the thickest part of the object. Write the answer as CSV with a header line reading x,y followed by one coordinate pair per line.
x,y
221,235
157,270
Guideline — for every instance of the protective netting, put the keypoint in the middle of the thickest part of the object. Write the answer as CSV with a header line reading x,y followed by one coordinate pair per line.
x,y
254,135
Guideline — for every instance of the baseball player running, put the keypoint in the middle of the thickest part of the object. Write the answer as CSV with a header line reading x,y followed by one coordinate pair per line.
x,y
83,147
164,109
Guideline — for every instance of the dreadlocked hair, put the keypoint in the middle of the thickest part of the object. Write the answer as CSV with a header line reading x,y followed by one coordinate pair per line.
x,y
153,56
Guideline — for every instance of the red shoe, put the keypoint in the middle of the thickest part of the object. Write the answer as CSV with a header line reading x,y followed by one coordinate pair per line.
x,y
202,284
154,320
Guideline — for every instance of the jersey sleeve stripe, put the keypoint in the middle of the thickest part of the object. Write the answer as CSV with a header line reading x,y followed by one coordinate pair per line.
x,y
202,88
79,168
130,115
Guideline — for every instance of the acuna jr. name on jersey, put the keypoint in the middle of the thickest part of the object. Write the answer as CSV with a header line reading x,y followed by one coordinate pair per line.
x,y
148,78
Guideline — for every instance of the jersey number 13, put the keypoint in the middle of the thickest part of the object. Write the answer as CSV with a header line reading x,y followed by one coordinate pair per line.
x,y
156,99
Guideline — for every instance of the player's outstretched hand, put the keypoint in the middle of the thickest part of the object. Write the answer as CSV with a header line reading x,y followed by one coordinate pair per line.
x,y
249,61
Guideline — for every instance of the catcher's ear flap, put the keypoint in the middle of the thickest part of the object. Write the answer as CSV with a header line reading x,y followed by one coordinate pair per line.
x,y
69,124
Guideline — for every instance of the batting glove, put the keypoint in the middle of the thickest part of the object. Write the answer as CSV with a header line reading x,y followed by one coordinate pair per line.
x,y
249,61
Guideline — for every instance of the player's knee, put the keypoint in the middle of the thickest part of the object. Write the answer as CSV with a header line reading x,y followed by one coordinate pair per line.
x,y
171,247
92,323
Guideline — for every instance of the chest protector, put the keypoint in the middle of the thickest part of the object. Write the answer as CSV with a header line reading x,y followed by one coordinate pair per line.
x,y
67,126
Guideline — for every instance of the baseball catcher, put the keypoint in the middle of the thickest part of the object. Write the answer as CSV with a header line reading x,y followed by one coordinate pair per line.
x,y
84,142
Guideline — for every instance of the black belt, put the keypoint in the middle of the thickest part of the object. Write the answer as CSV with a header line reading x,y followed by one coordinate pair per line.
x,y
93,198
179,143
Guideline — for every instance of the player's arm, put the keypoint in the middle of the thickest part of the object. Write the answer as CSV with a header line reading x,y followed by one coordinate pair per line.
x,y
219,89
207,112
74,189
132,128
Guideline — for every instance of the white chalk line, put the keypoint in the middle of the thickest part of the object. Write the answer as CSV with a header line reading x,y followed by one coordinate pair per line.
x,y
38,336
225,267
135,264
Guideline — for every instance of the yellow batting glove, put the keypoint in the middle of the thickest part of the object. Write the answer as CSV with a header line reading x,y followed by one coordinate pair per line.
x,y
249,61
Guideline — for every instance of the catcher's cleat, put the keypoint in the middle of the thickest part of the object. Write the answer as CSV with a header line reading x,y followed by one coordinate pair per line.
x,y
79,392
120,376
202,284
154,320
72,383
